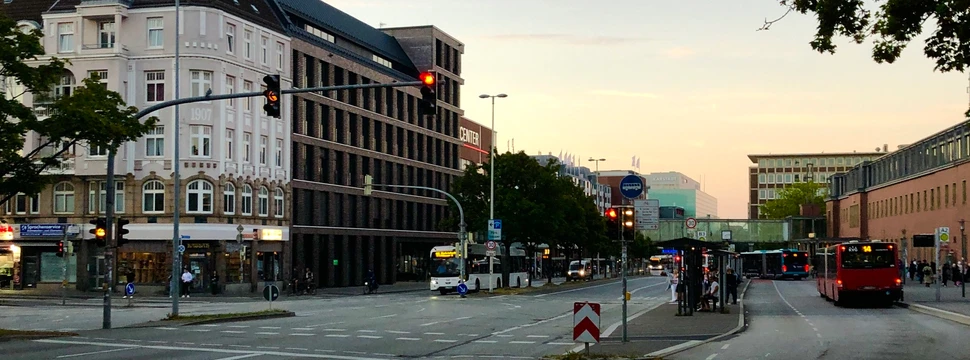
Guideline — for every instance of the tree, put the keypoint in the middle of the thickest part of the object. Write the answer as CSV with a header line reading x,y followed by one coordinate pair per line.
x,y
893,25
92,115
791,197
535,204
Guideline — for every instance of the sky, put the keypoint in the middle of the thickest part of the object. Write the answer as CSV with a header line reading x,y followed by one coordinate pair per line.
x,y
686,85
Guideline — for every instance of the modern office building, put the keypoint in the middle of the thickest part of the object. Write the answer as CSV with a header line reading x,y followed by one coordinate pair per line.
x,y
476,139
234,161
676,189
340,136
772,172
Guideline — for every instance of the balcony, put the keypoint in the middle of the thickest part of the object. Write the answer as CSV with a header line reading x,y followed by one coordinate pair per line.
x,y
103,48
65,166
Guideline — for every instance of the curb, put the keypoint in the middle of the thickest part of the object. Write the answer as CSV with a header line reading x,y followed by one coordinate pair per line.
x,y
659,354
241,318
33,337
939,313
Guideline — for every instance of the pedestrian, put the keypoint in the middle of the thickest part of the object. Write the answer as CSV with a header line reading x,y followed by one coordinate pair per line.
x,y
672,286
186,282
214,283
731,281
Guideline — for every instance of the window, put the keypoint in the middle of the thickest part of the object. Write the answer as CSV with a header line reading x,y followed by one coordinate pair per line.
x,y
247,200
106,34
263,201
229,199
279,152
319,33
101,75
64,198
199,199
231,37
248,43
382,61
248,87
102,198
230,134
279,55
201,82
230,89
155,142
154,86
771,178
65,37
263,44
201,138
155,32
262,149
788,178
762,194
762,178
246,146
97,151
278,202
20,203
65,87
153,197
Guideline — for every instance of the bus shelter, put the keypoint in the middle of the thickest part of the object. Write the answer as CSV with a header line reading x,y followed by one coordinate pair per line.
x,y
691,275
723,260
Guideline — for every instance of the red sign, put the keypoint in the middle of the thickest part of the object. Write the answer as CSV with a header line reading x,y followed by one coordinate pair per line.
x,y
586,322
6,232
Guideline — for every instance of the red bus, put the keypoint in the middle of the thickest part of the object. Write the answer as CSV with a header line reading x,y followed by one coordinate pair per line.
x,y
864,270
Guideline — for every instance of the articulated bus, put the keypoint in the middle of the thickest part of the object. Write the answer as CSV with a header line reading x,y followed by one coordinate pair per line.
x,y
445,271
660,263
776,264
859,269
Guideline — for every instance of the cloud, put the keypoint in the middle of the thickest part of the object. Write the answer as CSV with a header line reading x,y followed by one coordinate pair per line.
x,y
568,39
625,94
679,52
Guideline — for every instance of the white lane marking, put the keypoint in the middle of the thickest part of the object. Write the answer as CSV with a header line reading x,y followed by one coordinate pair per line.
x,y
561,343
641,288
407,339
383,354
337,335
445,340
239,326
94,352
447,321
240,357
211,350
369,337
367,331
570,313
522,342
327,324
398,332
302,329
714,355
205,344
233,332
818,335
270,327
816,329
385,316
184,343
538,336
241,346
210,325
355,352
725,346
166,328
267,333
505,335
200,330
485,341
301,334
578,289
333,329
267,347
434,333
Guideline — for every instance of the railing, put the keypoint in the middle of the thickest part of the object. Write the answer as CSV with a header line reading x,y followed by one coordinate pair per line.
x,y
103,46
44,110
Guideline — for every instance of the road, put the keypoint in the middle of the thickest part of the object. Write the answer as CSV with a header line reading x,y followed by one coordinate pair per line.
x,y
789,317
379,326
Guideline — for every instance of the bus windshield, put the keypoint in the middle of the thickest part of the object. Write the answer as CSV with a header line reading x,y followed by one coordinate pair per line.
x,y
444,267
796,260
654,262
867,257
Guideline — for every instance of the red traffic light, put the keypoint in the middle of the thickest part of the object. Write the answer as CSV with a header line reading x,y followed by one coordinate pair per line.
x,y
611,213
428,79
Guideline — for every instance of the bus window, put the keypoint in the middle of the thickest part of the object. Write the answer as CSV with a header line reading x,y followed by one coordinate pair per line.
x,y
447,267
867,260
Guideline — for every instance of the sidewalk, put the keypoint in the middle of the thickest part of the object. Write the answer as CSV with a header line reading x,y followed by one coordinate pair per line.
x,y
952,306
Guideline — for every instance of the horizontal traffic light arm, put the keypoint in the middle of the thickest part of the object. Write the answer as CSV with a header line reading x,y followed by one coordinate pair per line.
x,y
144,112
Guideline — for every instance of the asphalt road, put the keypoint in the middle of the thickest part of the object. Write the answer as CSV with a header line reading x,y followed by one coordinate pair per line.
x,y
379,326
789,320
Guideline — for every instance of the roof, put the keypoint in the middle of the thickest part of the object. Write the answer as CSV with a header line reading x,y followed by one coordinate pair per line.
x,y
348,27
754,157
686,243
26,9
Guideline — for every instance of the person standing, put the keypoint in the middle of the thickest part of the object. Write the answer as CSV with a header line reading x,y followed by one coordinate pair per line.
x,y
672,285
731,281
186,282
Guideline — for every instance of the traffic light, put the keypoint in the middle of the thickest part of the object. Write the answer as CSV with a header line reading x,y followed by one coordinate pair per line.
x,y
120,232
99,231
429,102
272,95
60,249
628,221
612,224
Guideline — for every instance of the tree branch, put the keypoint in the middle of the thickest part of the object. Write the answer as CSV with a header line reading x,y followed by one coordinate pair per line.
x,y
768,24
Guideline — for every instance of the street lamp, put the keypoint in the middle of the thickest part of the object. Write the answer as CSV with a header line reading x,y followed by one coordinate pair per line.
x,y
491,151
597,161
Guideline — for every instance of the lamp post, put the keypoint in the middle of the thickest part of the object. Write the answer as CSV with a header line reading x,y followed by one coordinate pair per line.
x,y
597,161
491,151
963,259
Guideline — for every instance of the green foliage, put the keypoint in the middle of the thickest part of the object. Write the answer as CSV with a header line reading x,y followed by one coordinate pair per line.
x,y
92,115
791,197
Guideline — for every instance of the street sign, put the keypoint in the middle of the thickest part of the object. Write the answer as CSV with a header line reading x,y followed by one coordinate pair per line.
x,y
73,229
181,248
491,245
462,289
726,235
702,235
691,223
586,322
647,214
271,293
489,252
130,289
185,237
42,230
631,186
495,229
943,233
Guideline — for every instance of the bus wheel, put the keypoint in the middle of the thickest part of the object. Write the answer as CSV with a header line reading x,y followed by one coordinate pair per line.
x,y
518,282
478,285
498,284
821,294
443,291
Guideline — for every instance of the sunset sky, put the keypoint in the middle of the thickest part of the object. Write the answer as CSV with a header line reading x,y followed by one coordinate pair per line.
x,y
688,86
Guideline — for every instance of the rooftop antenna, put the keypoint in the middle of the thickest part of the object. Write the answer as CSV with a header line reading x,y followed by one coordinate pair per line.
x,y
381,25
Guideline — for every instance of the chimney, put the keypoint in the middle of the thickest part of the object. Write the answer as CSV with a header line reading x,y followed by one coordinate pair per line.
x,y
885,148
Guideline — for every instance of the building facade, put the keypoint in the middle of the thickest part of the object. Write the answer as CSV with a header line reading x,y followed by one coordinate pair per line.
x,y
475,140
582,177
913,190
340,136
612,179
676,189
772,172
234,161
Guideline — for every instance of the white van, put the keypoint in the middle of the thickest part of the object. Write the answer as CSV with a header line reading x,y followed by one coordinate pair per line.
x,y
579,270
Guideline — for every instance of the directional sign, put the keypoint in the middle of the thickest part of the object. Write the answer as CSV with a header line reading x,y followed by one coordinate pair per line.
x,y
691,223
181,248
271,293
495,229
586,322
42,230
631,186
489,252
462,289
647,214
130,289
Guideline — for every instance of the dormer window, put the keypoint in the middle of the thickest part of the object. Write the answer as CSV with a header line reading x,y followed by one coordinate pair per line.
x,y
382,61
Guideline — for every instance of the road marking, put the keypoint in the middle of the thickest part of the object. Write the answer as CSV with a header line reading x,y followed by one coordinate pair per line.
x,y
210,325
522,342
233,332
578,289
240,357
333,329
486,341
385,316
505,335
816,329
302,329
570,313
725,346
369,337
367,331
338,335
203,344
325,350
270,327
714,355
355,352
94,352
538,336
326,324
561,343
184,343
200,330
445,340
819,335
447,321
434,333
407,339
383,354
301,334
241,346
397,332
166,328
239,326
267,333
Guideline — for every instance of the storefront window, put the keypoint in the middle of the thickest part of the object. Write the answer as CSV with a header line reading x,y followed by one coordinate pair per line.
x,y
149,268
52,267
233,268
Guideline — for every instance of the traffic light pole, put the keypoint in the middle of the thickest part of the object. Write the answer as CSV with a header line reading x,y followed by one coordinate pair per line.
x,y
623,270
109,248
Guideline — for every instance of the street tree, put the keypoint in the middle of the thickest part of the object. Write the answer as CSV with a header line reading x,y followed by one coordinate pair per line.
x,y
791,198
90,116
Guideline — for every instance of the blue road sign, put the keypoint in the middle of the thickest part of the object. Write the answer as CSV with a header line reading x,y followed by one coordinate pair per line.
x,y
497,224
669,251
462,289
129,289
51,230
631,186
181,248
495,229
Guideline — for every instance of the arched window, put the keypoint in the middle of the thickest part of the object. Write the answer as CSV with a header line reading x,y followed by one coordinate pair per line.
x,y
229,199
199,197
64,198
247,200
263,201
153,197
278,200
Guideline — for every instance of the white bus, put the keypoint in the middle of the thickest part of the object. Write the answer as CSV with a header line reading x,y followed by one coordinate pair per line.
x,y
445,271
660,263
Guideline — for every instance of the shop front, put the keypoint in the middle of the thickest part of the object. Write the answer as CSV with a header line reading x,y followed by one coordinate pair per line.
x,y
33,262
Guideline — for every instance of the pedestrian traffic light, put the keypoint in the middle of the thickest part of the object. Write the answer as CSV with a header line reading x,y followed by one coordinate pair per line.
x,y
272,95
99,231
60,249
628,221
120,232
612,224
429,101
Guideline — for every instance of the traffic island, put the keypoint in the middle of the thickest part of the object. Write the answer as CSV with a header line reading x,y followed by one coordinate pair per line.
x,y
9,335
200,319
